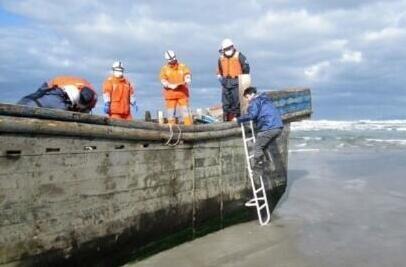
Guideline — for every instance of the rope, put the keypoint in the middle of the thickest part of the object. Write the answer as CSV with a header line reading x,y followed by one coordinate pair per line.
x,y
171,134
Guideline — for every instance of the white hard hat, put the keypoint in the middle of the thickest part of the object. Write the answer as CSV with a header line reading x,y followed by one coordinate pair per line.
x,y
117,65
170,55
73,93
226,43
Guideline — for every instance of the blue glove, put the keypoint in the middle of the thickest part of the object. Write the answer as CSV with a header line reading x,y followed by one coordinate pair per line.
x,y
135,107
106,108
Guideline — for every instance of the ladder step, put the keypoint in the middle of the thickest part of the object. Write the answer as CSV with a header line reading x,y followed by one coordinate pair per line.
x,y
262,206
250,203
259,190
253,203
258,202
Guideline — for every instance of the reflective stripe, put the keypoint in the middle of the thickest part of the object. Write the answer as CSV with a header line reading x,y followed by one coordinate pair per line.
x,y
184,110
170,113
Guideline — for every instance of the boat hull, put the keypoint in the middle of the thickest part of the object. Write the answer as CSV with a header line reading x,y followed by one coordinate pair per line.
x,y
64,196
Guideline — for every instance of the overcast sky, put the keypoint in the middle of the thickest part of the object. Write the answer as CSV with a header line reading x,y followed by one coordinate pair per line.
x,y
352,54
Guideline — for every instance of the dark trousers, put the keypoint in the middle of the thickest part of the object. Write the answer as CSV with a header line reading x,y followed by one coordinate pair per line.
x,y
231,103
263,141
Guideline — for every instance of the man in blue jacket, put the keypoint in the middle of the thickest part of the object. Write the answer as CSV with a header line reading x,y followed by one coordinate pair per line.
x,y
267,119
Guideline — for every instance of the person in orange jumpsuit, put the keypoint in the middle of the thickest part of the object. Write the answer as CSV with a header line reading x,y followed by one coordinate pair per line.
x,y
118,94
68,93
176,78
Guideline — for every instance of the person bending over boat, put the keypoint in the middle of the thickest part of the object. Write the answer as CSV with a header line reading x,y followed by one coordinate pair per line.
x,y
268,123
63,92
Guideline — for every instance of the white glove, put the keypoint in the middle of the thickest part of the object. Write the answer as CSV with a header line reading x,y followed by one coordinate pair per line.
x,y
132,100
165,83
188,79
172,86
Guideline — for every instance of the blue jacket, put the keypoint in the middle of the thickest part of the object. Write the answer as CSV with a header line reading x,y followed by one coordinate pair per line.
x,y
263,113
47,98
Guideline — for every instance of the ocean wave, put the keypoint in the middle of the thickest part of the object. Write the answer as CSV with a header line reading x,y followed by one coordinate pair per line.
x,y
304,150
301,145
359,125
389,141
312,138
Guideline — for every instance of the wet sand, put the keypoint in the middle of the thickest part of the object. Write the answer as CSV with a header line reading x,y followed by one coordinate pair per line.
x,y
341,209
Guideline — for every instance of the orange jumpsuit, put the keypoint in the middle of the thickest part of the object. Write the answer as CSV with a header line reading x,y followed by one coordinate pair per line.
x,y
178,97
120,93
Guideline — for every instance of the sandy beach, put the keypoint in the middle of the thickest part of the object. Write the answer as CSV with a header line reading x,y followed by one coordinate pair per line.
x,y
342,208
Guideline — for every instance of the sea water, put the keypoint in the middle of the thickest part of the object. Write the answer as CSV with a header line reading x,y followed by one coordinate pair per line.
x,y
326,135
345,205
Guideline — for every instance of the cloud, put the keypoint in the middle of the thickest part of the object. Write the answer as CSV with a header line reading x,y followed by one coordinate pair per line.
x,y
338,48
316,71
278,25
351,56
387,34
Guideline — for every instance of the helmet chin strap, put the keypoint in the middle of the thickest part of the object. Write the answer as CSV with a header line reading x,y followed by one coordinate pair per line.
x,y
173,63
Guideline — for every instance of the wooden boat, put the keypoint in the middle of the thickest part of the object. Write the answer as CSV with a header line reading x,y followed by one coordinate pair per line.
x,y
76,186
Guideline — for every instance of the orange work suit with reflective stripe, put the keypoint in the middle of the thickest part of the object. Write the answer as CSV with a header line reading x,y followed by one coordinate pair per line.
x,y
179,97
119,92
175,74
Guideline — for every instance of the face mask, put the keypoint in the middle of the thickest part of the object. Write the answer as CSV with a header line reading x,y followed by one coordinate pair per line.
x,y
229,52
173,62
117,73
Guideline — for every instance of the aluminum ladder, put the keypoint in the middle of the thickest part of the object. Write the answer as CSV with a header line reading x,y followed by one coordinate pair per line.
x,y
260,200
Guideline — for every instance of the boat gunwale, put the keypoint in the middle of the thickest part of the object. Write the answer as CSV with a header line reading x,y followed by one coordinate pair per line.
x,y
40,120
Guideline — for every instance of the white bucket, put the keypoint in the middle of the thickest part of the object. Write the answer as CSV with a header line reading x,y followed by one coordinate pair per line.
x,y
244,81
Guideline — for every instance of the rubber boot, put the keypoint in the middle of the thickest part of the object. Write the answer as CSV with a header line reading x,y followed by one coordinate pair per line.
x,y
187,120
230,116
225,116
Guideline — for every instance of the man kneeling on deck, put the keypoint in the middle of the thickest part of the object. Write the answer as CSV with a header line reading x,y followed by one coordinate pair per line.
x,y
65,93
268,123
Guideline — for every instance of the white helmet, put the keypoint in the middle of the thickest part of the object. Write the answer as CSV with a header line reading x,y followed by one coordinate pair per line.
x,y
226,43
170,55
117,65
73,93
